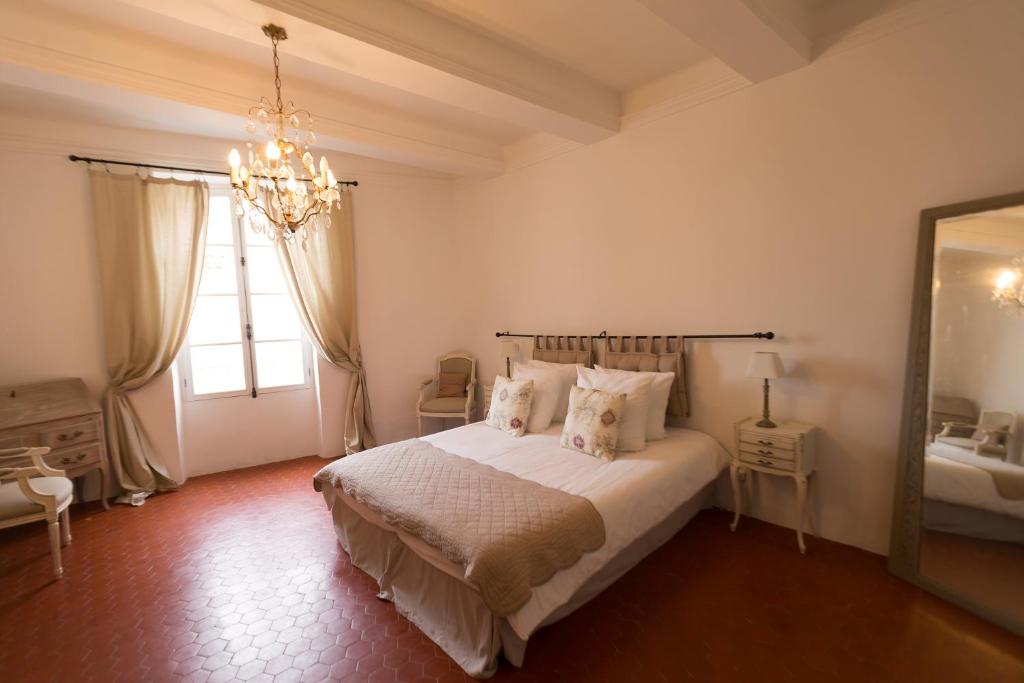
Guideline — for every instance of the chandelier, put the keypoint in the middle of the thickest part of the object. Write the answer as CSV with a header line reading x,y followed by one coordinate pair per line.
x,y
271,195
1009,289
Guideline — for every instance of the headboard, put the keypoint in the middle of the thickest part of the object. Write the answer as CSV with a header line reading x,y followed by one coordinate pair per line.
x,y
652,353
649,354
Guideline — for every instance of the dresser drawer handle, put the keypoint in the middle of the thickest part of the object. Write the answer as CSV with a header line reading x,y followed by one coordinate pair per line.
x,y
765,443
769,463
764,452
65,437
68,460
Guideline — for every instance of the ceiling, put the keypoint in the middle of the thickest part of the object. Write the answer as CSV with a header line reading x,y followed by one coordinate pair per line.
x,y
454,86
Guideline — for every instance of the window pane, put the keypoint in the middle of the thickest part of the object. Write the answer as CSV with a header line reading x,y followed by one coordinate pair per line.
x,y
218,271
214,320
274,317
217,368
265,272
220,225
279,364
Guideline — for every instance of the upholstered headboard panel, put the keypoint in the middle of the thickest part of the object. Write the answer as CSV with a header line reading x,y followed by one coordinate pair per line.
x,y
649,354
564,350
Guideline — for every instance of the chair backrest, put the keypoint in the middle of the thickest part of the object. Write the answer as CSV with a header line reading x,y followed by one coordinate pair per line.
x,y
998,418
458,362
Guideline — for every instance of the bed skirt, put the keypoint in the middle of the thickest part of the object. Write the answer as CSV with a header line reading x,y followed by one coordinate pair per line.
x,y
968,521
428,592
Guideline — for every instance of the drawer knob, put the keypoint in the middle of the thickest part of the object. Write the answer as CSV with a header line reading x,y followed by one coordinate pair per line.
x,y
68,460
769,463
763,452
65,437
765,443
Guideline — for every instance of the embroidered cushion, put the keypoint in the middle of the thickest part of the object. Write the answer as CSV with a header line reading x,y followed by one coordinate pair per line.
x,y
592,423
510,404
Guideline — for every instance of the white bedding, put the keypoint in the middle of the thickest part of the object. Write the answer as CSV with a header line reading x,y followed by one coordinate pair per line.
x,y
955,482
633,494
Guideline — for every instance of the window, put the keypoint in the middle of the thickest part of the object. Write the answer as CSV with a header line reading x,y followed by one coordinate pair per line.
x,y
245,336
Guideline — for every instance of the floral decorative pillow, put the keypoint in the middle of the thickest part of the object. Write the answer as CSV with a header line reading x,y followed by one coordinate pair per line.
x,y
592,423
510,404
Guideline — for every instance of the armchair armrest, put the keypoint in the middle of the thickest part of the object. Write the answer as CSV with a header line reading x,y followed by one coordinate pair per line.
x,y
35,454
471,396
427,390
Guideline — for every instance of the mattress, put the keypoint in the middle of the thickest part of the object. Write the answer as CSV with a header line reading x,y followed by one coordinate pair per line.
x,y
955,482
633,493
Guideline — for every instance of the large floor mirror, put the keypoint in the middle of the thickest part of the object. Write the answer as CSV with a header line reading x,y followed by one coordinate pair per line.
x,y
958,528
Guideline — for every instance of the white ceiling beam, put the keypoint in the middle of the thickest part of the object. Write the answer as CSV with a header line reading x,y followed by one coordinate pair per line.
x,y
744,34
409,47
138,70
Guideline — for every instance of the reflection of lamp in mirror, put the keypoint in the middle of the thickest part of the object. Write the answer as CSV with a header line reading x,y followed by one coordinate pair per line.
x,y
1009,289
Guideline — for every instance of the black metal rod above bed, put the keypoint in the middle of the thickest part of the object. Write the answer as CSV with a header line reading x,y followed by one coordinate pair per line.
x,y
604,334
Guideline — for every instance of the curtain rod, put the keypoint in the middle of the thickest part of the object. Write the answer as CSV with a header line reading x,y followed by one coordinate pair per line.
x,y
91,160
604,335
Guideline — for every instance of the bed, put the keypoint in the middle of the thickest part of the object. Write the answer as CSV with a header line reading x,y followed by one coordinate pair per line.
x,y
961,497
644,498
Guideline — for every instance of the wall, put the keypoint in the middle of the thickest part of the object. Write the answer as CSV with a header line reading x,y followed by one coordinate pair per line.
x,y
53,318
976,347
789,206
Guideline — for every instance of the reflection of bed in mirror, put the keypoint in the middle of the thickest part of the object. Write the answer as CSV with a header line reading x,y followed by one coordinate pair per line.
x,y
972,495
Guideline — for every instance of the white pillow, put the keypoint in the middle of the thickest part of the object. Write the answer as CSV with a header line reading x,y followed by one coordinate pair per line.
x,y
567,373
638,395
661,387
547,389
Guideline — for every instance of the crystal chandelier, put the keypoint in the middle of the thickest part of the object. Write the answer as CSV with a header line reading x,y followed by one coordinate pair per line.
x,y
1009,289
270,194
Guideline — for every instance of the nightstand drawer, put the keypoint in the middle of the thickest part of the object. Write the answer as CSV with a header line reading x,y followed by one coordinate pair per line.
x,y
761,440
750,450
767,462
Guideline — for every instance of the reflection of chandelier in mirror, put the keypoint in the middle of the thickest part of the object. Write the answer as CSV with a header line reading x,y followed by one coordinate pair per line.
x,y
1009,289
272,196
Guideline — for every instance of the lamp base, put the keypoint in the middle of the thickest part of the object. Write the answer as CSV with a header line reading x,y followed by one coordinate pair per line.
x,y
766,423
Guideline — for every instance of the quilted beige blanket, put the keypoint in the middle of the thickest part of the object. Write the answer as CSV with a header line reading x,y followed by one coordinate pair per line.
x,y
510,534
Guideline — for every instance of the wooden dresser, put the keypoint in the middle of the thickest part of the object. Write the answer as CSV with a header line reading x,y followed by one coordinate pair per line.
x,y
59,414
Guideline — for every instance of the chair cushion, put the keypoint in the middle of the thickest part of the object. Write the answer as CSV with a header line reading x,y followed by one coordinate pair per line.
x,y
444,405
13,502
451,385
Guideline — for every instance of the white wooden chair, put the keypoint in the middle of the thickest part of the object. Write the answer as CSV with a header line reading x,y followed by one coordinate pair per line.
x,y
993,435
32,491
430,405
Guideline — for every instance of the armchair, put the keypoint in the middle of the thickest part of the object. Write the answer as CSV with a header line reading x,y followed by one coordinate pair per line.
x,y
32,491
992,436
430,404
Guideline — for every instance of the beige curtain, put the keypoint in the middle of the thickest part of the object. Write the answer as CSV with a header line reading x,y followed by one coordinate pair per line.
x,y
150,240
321,278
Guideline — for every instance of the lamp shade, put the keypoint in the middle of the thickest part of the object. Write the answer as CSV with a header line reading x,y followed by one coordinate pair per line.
x,y
765,365
510,350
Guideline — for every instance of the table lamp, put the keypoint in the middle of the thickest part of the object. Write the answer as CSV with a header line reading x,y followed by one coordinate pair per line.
x,y
510,352
765,365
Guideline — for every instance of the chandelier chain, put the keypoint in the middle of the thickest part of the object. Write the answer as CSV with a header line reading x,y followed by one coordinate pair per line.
x,y
277,75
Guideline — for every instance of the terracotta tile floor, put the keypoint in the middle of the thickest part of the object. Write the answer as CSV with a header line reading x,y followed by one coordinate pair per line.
x,y
238,577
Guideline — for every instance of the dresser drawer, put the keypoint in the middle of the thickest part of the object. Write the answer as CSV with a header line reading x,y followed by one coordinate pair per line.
x,y
759,439
71,459
773,463
764,451
68,433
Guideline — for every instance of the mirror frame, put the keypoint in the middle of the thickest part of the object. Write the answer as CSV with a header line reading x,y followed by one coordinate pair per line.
x,y
904,543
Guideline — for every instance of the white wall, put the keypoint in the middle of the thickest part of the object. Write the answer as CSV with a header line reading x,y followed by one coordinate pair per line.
x,y
53,317
791,206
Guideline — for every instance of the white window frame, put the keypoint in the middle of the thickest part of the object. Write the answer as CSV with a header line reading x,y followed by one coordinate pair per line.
x,y
252,387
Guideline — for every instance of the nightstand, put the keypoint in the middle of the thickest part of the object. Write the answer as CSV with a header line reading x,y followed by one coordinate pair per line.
x,y
785,451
